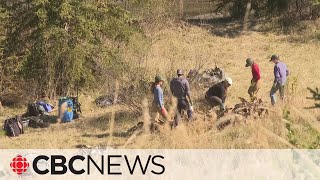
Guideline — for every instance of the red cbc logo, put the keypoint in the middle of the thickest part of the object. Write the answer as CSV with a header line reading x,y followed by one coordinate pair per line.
x,y
19,164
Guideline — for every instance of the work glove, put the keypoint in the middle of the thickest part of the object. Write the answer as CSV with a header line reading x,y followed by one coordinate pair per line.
x,y
164,112
222,107
191,108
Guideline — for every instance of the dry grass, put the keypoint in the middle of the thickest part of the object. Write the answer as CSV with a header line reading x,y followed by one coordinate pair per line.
x,y
188,47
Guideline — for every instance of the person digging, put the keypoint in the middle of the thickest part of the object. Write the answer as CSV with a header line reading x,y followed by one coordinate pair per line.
x,y
217,94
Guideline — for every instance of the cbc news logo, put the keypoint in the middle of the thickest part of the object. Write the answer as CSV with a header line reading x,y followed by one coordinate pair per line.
x,y
109,164
19,164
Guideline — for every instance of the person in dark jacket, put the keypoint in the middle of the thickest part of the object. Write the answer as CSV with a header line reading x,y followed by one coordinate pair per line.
x,y
217,94
180,89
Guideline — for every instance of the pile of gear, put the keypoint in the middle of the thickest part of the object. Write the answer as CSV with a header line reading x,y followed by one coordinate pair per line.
x,y
38,108
14,126
37,115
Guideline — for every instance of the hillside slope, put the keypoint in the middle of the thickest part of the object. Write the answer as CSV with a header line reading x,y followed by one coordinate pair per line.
x,y
186,46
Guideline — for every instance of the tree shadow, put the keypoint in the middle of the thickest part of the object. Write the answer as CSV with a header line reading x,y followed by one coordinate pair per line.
x,y
104,135
223,27
102,121
125,124
315,96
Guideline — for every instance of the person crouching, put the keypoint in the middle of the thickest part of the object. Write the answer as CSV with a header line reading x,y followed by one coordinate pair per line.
x,y
217,94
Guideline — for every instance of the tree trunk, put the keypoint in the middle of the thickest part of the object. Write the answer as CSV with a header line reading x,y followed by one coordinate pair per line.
x,y
181,9
246,17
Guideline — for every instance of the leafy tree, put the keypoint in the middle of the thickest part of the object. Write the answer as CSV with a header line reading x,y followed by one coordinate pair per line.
x,y
3,16
58,44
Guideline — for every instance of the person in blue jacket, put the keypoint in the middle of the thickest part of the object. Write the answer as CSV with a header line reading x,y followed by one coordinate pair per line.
x,y
158,100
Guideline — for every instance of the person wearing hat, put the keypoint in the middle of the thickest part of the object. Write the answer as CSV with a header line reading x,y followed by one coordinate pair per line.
x,y
180,89
280,77
255,81
158,99
217,94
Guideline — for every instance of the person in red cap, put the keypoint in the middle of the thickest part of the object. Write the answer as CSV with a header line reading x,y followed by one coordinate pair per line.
x,y
256,79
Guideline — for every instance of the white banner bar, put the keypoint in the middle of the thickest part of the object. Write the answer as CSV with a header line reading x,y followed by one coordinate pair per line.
x,y
159,164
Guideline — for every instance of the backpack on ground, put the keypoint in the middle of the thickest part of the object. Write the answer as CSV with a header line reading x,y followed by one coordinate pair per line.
x,y
46,107
69,113
36,122
76,107
66,109
33,109
13,126
72,109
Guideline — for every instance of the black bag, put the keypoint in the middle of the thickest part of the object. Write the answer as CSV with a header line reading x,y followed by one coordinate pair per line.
x,y
36,122
76,107
13,126
33,109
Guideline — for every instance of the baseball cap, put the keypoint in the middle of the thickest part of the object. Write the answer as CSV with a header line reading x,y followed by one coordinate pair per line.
x,y
249,62
158,78
229,80
274,56
180,72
